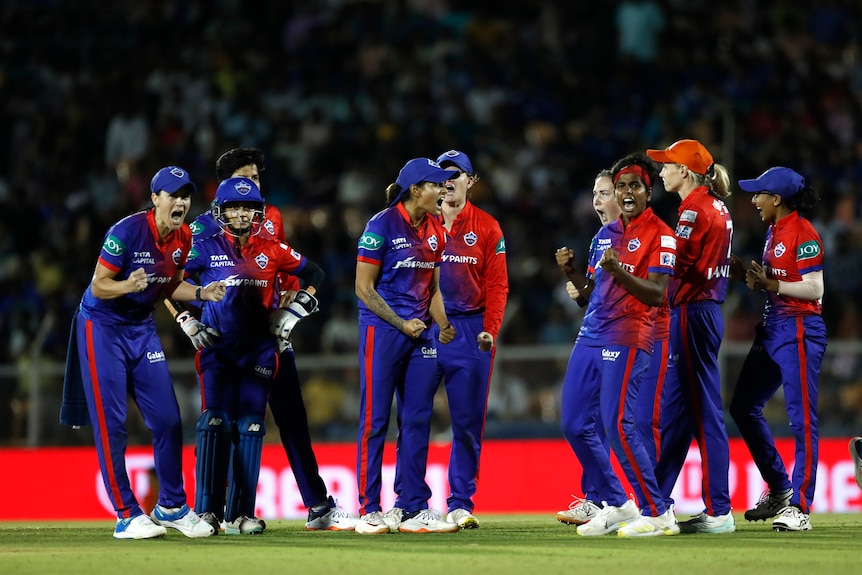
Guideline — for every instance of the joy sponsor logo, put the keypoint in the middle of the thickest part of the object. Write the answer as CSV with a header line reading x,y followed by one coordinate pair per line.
x,y
808,250
370,241
114,246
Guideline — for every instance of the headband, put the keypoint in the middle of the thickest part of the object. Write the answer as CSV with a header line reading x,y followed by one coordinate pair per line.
x,y
636,170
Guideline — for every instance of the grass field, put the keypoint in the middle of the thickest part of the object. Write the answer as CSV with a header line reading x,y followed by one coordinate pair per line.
x,y
505,544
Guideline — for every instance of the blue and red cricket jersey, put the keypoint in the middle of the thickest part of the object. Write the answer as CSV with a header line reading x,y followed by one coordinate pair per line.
x,y
473,275
608,361
118,352
389,360
407,259
250,275
787,352
130,244
793,248
205,226
613,315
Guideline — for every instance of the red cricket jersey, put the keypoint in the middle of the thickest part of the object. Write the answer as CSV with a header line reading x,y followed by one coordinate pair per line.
x,y
793,248
473,272
703,239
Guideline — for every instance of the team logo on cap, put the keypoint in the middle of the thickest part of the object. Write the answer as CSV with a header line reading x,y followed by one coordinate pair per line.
x,y
242,187
452,153
261,260
634,244
178,172
470,238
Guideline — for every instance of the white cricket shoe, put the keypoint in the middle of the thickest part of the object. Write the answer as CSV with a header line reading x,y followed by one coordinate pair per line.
x,y
463,518
579,512
645,526
792,518
427,521
244,525
609,519
330,518
704,523
183,520
371,524
393,518
769,505
138,527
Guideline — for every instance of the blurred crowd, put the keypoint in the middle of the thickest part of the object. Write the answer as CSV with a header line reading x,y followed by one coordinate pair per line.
x,y
95,97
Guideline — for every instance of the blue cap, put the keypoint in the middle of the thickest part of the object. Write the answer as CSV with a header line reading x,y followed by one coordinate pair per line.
x,y
171,179
460,159
780,181
422,170
237,190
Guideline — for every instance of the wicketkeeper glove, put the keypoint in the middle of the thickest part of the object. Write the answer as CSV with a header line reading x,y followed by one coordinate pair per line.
x,y
200,335
282,321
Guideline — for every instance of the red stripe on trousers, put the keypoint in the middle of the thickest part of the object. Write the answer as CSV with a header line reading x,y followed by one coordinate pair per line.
x,y
806,414
366,428
632,354
656,409
100,417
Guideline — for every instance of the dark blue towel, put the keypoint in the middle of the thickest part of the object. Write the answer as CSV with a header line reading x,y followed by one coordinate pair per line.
x,y
74,411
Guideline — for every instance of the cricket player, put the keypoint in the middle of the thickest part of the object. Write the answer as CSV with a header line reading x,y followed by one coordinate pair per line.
x,y
397,284
114,350
236,371
630,264
475,284
285,398
788,346
703,237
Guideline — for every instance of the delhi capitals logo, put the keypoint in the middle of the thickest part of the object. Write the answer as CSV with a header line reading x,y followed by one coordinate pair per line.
x,y
432,241
261,261
242,187
178,253
269,227
780,249
470,238
177,172
634,245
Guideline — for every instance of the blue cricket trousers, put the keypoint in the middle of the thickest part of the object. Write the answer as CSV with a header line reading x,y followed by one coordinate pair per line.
x,y
696,331
466,373
121,359
786,353
393,364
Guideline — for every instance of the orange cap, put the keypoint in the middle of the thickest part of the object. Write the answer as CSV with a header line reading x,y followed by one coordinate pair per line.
x,y
689,153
